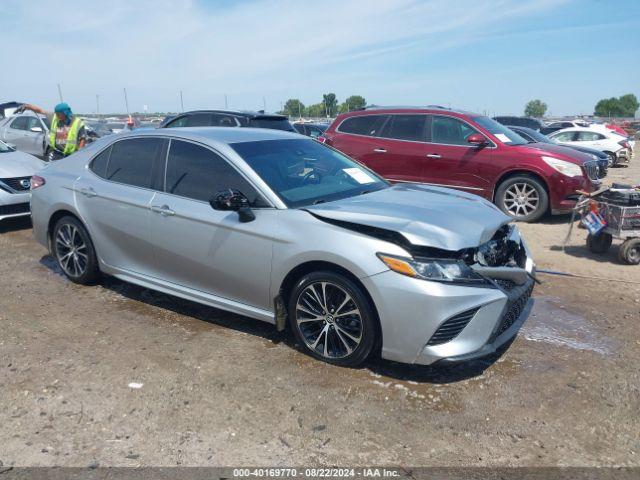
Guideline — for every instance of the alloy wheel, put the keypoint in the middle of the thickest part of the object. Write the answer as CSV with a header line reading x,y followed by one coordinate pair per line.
x,y
329,320
71,250
521,199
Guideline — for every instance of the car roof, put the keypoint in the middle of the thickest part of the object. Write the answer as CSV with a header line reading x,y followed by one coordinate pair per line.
x,y
243,113
225,135
408,109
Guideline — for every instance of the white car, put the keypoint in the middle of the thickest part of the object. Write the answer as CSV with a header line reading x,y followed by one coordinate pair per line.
x,y
616,146
27,131
16,170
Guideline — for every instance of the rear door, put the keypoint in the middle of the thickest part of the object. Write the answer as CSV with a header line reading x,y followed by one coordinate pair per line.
x,y
451,161
205,249
114,198
359,138
400,152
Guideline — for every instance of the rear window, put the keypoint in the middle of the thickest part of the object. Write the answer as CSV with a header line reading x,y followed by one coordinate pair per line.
x,y
370,125
273,123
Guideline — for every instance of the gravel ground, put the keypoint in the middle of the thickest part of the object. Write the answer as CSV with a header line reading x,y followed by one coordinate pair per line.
x,y
122,376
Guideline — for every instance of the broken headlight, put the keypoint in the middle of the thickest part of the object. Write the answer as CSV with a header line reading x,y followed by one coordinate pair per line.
x,y
446,270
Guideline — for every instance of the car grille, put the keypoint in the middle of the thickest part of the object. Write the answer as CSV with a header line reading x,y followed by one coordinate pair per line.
x,y
14,209
16,183
593,171
518,297
451,328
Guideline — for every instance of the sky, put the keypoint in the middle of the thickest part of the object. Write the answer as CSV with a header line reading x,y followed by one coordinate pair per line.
x,y
487,56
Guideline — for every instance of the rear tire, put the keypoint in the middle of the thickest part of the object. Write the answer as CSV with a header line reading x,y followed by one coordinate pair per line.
x,y
332,319
73,250
522,197
629,252
599,243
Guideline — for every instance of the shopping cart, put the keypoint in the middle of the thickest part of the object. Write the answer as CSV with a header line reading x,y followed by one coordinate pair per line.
x,y
621,222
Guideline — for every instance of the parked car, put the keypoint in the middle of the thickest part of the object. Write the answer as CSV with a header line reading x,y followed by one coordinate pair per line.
x,y
555,126
227,118
532,123
616,146
533,136
27,131
16,170
465,151
313,130
283,227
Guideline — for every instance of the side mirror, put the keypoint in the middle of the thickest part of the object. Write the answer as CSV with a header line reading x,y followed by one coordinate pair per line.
x,y
235,201
36,129
477,140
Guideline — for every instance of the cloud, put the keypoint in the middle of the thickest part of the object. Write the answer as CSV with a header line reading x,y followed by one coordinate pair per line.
x,y
247,50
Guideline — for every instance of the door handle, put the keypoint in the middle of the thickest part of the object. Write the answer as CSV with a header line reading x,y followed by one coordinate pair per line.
x,y
88,192
434,155
163,210
380,150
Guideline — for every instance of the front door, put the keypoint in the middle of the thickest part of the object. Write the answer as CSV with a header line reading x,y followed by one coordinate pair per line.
x,y
451,161
204,249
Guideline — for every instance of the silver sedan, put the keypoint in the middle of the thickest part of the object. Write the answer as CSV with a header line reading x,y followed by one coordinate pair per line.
x,y
283,229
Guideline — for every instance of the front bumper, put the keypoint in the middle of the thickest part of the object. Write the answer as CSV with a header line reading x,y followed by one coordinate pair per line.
x,y
413,312
14,204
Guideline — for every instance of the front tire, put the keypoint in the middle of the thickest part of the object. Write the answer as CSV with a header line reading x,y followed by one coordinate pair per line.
x,y
73,250
629,252
522,197
332,319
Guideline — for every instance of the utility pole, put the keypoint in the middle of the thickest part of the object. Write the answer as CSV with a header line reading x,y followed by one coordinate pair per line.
x,y
126,100
97,104
181,102
226,102
60,93
264,103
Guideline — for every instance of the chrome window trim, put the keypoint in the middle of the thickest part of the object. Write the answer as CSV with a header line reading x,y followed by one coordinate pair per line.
x,y
439,185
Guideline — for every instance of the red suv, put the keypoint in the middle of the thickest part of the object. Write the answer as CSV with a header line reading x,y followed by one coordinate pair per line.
x,y
470,152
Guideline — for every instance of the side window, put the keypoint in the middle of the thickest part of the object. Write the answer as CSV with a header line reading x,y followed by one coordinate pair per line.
x,y
369,125
20,123
198,173
588,136
99,163
131,161
177,123
450,131
564,137
566,125
299,128
33,122
406,127
219,120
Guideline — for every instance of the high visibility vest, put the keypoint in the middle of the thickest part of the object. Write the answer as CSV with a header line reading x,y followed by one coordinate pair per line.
x,y
72,136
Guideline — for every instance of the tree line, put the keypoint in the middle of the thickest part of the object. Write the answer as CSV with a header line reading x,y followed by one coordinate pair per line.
x,y
328,107
623,106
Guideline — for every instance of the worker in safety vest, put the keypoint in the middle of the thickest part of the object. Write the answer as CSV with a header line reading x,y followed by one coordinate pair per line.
x,y
67,133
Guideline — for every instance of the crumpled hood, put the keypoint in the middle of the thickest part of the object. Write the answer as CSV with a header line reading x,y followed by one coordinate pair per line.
x,y
424,215
19,164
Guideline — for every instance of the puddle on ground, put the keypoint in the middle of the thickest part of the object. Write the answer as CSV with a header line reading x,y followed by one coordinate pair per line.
x,y
551,322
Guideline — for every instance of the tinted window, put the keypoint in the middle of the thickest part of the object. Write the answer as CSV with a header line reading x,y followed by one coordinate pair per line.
x,y
99,163
221,120
198,173
131,161
191,120
370,125
20,123
299,128
275,123
451,131
406,127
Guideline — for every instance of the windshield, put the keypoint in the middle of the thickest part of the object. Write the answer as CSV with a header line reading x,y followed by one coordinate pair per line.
x,y
273,123
538,137
304,172
502,133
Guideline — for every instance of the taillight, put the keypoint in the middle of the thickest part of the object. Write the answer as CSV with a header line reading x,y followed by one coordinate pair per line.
x,y
37,182
624,144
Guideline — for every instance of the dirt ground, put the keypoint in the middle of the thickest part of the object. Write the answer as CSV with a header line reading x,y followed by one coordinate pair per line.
x,y
120,375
